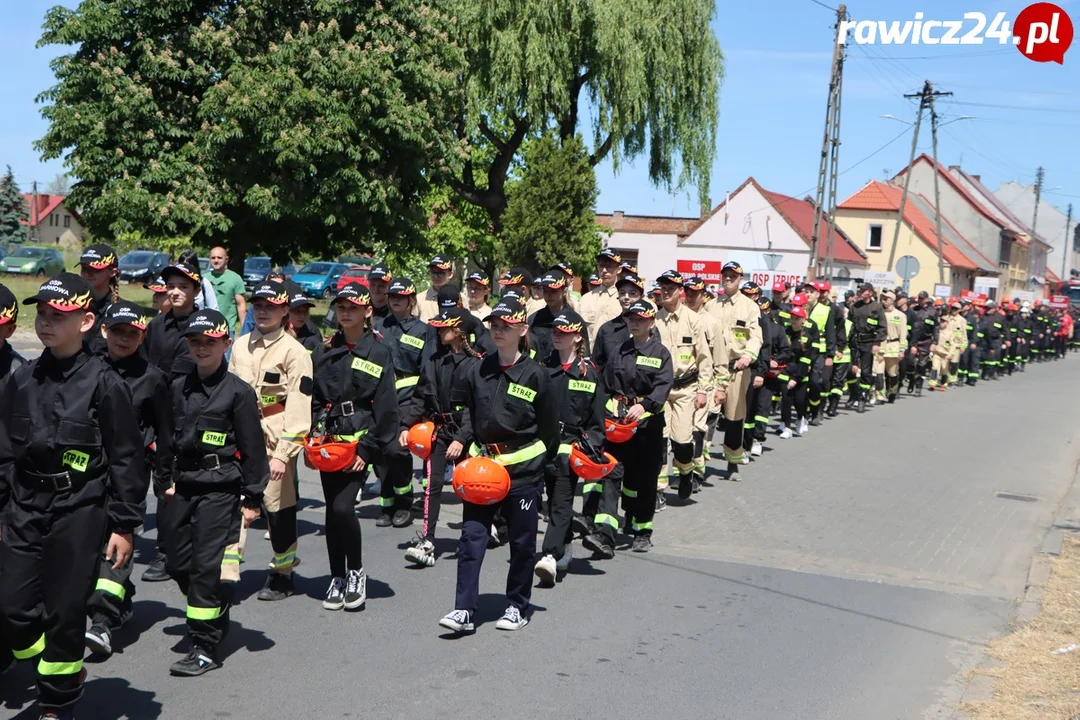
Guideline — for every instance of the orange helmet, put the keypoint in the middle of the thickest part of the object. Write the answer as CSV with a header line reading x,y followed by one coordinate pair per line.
x,y
421,437
325,454
481,481
588,463
619,430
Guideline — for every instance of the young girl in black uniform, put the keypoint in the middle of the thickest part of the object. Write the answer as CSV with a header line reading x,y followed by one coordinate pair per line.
x,y
440,399
803,335
354,402
124,327
100,269
71,470
512,418
580,397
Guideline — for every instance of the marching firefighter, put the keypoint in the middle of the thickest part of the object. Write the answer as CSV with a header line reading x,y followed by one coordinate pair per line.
x,y
71,473
695,297
615,331
869,324
969,359
758,397
895,345
990,327
779,357
99,267
923,321
841,375
804,339
10,361
306,331
440,273
602,302
951,339
279,368
823,314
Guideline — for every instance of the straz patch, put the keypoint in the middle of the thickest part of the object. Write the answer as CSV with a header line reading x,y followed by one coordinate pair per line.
x,y
686,357
651,362
211,437
366,366
76,460
583,386
268,399
412,341
741,333
521,392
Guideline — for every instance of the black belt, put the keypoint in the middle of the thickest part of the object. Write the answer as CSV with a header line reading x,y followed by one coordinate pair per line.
x,y
54,482
686,380
205,462
441,419
342,409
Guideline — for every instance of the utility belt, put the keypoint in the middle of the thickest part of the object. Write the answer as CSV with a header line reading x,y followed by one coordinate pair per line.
x,y
443,419
509,454
341,409
61,482
686,380
202,462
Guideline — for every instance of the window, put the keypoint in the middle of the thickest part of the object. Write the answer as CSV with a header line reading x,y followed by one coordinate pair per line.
x,y
67,221
873,237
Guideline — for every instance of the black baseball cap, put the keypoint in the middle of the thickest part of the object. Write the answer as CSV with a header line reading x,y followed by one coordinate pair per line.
x,y
564,268
508,310
440,262
402,286
66,292
210,323
297,298
568,321
157,285
380,271
451,317
866,286
355,293
609,254
125,312
595,280
99,257
479,277
271,291
628,267
670,276
733,266
631,280
9,306
449,296
553,280
516,276
187,271
694,283
750,287
641,308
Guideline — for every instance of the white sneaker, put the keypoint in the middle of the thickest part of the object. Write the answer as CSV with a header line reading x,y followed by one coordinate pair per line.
x,y
785,434
458,621
804,426
745,459
335,594
422,552
266,535
545,570
756,449
512,619
355,589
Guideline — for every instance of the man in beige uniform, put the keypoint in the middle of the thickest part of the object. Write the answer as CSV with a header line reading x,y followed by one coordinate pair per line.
x,y
683,334
602,302
738,316
279,368
895,345
952,335
696,297
440,272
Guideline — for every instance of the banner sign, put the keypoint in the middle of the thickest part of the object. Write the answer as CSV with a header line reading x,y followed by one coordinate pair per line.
x,y
1059,302
766,278
977,299
707,270
881,278
942,291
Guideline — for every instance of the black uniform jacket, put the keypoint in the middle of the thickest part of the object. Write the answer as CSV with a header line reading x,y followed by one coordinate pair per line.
x,y
868,322
92,338
153,411
73,416
411,342
580,397
610,337
166,347
442,393
218,441
354,392
10,361
803,352
512,409
641,375
309,336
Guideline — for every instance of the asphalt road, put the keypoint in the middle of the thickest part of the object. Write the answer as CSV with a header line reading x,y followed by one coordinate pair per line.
x,y
855,573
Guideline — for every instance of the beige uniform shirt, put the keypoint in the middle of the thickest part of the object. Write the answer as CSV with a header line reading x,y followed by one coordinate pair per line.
x,y
427,305
896,333
278,367
683,334
481,312
597,307
738,317
714,337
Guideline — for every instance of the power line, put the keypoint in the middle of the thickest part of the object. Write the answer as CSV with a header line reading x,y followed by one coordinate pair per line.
x,y
952,55
1024,108
1025,91
831,9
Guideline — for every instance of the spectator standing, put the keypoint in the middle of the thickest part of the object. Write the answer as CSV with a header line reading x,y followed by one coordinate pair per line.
x,y
228,289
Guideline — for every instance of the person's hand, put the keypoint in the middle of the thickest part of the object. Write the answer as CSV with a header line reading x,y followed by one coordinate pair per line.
x,y
719,397
874,350
838,357
700,401
971,346
759,381
358,465
169,492
742,363
277,469
773,365
120,548
635,412
249,514
933,348
914,351
454,450
828,363
790,384
403,438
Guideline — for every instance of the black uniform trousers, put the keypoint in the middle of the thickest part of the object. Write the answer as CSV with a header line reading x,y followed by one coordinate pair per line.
x,y
866,369
113,594
344,541
395,472
841,372
969,364
778,388
560,483
205,519
758,405
602,498
521,510
436,481
819,384
642,458
797,398
48,561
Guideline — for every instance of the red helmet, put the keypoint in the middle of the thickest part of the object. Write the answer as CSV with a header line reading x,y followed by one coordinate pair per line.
x,y
800,299
619,430
421,437
328,455
481,481
822,286
798,311
588,463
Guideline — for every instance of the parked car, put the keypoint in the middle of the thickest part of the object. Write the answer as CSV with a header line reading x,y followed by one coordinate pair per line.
x,y
3,253
257,268
319,279
142,265
355,273
33,261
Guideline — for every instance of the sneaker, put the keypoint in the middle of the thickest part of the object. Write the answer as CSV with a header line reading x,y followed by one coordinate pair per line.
x,y
786,434
335,594
278,587
641,544
355,589
459,621
661,501
545,570
512,619
756,449
597,544
99,641
422,552
384,520
401,518
197,662
815,420
804,426
733,472
493,538
745,460
156,571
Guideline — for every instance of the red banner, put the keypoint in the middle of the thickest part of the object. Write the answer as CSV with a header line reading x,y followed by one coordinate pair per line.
x,y
707,270
1059,302
977,299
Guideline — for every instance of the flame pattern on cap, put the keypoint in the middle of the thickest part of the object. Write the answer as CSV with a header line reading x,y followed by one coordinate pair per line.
x,y
75,302
8,314
509,279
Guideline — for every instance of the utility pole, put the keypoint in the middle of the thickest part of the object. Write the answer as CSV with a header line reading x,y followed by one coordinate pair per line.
x,y
1065,248
1039,177
937,193
34,213
828,170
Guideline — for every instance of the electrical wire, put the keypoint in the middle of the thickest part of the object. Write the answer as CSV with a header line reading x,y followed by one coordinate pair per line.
x,y
1022,107
980,53
817,2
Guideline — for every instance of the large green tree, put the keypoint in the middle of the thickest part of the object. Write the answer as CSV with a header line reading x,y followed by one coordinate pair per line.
x,y
282,125
550,216
645,74
14,214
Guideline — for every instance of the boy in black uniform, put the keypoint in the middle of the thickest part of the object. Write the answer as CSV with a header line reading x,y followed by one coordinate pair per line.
x,y
10,361
70,469
300,318
124,325
220,467
805,349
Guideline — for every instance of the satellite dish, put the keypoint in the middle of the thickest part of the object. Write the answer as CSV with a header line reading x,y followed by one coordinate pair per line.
x,y
907,267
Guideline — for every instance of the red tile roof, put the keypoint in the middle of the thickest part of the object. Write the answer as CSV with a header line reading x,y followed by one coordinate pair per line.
x,y
45,206
963,191
884,197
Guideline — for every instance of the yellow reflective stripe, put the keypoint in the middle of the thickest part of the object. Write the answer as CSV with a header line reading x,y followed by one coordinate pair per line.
x,y
602,519
59,668
591,487
292,437
805,360
198,613
521,392
641,526
386,502
231,557
632,493
761,419
354,437
564,448
284,560
35,649
518,456
413,341
871,321
113,588
403,489
367,366
407,382
583,386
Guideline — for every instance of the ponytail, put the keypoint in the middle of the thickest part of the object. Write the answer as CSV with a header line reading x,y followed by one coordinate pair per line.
x,y
525,346
114,288
466,346
583,363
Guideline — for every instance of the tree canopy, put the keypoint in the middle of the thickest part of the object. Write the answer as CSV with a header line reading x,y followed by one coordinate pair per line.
x,y
14,214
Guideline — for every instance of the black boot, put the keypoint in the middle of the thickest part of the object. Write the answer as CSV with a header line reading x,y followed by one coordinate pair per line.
x,y
834,405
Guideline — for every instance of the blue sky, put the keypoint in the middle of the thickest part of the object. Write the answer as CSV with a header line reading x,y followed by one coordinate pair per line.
x,y
772,104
